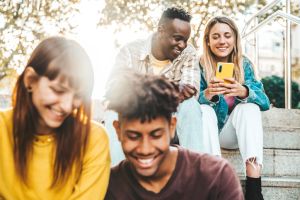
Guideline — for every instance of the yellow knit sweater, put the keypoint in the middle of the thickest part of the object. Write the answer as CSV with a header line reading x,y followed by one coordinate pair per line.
x,y
93,180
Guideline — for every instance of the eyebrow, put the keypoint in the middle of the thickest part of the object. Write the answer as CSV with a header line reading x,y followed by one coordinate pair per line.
x,y
177,35
132,131
63,84
180,36
61,87
221,33
136,132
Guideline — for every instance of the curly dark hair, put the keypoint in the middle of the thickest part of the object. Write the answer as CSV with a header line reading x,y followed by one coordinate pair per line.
x,y
144,97
175,13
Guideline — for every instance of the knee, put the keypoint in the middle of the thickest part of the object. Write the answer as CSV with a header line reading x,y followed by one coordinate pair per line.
x,y
208,112
248,108
189,105
207,108
189,102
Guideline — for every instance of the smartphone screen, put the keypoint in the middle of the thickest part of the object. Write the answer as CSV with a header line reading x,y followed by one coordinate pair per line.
x,y
224,70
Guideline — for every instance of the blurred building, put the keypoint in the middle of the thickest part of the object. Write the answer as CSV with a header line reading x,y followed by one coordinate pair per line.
x,y
271,51
296,53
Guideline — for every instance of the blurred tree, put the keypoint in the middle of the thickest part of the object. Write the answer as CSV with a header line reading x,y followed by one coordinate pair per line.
x,y
274,87
23,23
145,13
294,5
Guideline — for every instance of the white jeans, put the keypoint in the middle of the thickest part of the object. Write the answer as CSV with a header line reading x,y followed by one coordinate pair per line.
x,y
242,130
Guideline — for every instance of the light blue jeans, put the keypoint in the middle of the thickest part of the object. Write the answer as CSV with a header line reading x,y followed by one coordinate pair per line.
x,y
116,151
189,125
189,129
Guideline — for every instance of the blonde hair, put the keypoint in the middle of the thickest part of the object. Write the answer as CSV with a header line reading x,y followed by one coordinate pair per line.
x,y
208,60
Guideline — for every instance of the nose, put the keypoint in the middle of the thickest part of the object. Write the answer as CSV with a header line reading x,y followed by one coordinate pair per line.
x,y
182,44
67,103
222,40
145,147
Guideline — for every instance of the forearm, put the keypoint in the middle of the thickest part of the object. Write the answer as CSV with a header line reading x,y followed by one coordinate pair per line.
x,y
258,96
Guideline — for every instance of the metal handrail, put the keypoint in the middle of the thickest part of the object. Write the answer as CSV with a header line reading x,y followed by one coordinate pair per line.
x,y
278,13
287,64
262,11
287,61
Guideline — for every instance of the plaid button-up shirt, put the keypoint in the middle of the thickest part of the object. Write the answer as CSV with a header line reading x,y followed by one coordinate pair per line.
x,y
183,70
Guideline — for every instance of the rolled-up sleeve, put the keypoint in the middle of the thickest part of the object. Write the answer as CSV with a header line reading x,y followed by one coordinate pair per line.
x,y
190,70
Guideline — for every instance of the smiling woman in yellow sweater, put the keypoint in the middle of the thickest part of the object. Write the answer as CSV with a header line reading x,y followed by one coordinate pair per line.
x,y
49,148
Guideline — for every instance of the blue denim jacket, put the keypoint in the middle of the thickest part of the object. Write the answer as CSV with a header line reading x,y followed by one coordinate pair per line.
x,y
257,94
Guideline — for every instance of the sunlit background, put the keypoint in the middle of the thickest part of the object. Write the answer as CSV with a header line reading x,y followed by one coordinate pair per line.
x,y
23,23
97,41
100,42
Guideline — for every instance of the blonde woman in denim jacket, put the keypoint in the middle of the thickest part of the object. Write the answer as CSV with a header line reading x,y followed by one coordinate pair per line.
x,y
232,109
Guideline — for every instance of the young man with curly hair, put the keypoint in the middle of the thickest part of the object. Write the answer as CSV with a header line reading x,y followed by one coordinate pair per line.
x,y
154,169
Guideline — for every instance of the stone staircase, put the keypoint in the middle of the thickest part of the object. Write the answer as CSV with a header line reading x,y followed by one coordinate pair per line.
x,y
281,171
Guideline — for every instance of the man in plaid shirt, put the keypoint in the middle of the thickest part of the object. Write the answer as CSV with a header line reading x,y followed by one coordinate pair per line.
x,y
167,53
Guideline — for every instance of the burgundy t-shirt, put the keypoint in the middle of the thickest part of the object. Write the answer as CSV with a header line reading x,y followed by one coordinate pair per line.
x,y
196,176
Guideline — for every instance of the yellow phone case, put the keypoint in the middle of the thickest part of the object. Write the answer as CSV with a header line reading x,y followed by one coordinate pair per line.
x,y
224,70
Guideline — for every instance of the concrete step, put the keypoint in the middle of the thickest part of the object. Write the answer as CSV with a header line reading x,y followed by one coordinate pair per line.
x,y
281,128
277,162
282,137
279,117
279,188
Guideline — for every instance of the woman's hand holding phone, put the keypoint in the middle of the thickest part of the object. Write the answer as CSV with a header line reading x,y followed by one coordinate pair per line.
x,y
224,84
234,88
215,87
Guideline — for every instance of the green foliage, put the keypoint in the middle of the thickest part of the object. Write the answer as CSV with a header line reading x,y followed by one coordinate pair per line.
x,y
126,13
274,87
24,23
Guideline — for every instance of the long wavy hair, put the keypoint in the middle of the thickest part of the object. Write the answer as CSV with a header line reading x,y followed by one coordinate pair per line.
x,y
69,60
208,60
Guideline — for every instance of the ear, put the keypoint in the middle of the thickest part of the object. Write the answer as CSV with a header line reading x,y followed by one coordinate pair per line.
x,y
160,29
173,123
117,125
30,77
